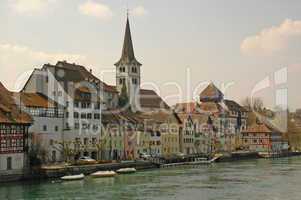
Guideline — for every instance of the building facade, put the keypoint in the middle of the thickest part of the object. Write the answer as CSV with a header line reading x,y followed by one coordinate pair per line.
x,y
14,125
261,138
48,126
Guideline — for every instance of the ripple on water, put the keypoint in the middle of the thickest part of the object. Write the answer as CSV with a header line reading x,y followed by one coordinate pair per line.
x,y
251,180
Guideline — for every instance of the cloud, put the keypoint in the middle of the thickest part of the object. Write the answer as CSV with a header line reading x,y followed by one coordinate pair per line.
x,y
29,6
17,59
273,40
98,10
139,11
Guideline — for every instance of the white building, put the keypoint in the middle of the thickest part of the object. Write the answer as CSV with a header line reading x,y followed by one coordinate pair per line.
x,y
48,125
83,96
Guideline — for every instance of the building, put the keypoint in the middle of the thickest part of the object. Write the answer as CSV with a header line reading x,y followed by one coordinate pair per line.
x,y
128,77
48,125
197,133
227,120
262,138
14,125
228,117
164,129
83,96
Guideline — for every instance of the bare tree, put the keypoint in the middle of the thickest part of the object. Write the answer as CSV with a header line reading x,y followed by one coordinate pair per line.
x,y
255,104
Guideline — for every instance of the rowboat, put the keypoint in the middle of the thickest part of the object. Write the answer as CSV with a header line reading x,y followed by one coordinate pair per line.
x,y
73,177
103,174
126,170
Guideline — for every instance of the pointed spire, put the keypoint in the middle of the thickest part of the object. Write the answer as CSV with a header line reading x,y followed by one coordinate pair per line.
x,y
128,55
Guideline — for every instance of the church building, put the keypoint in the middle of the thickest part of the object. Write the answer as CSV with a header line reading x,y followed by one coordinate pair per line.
x,y
128,79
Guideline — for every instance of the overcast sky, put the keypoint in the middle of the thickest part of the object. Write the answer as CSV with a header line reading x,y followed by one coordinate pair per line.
x,y
234,42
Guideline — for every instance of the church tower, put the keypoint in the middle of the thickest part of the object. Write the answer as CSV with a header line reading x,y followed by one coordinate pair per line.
x,y
128,69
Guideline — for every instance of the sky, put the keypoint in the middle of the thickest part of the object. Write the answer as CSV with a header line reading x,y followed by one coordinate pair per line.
x,y
241,46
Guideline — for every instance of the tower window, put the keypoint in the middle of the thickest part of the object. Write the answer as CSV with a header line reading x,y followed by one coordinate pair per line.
x,y
134,70
122,69
122,81
134,81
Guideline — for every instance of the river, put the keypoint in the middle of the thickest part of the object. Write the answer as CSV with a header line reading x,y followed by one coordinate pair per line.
x,y
278,179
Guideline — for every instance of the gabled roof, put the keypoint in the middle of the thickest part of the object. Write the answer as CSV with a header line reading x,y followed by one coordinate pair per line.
x,y
258,128
34,100
234,106
190,107
210,107
9,111
150,99
128,55
211,93
77,73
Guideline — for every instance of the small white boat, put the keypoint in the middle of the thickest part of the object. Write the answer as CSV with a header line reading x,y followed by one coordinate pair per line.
x,y
103,174
126,170
73,177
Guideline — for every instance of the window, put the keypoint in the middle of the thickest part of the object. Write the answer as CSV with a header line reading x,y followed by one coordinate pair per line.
x,y
76,115
76,104
134,70
67,114
56,128
76,126
134,81
94,141
122,69
96,116
122,81
86,141
83,115
89,116
51,142
47,79
44,128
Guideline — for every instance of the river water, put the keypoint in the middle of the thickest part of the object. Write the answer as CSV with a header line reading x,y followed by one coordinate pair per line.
x,y
278,179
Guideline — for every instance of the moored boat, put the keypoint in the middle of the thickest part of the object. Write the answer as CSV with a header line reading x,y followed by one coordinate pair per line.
x,y
126,170
103,174
73,177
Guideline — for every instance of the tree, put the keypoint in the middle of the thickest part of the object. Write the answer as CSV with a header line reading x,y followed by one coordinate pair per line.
x,y
123,100
255,104
37,155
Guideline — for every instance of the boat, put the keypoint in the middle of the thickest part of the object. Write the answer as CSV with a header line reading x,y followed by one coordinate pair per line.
x,y
126,170
103,174
73,177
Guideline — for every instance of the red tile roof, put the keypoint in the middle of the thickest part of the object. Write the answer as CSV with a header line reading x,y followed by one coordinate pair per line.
x,y
9,112
34,100
150,99
190,107
258,128
211,93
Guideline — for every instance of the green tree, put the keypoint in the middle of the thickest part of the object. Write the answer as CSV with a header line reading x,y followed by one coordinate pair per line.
x,y
123,98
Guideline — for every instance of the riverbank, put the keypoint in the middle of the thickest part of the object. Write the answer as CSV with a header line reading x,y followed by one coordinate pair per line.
x,y
54,172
